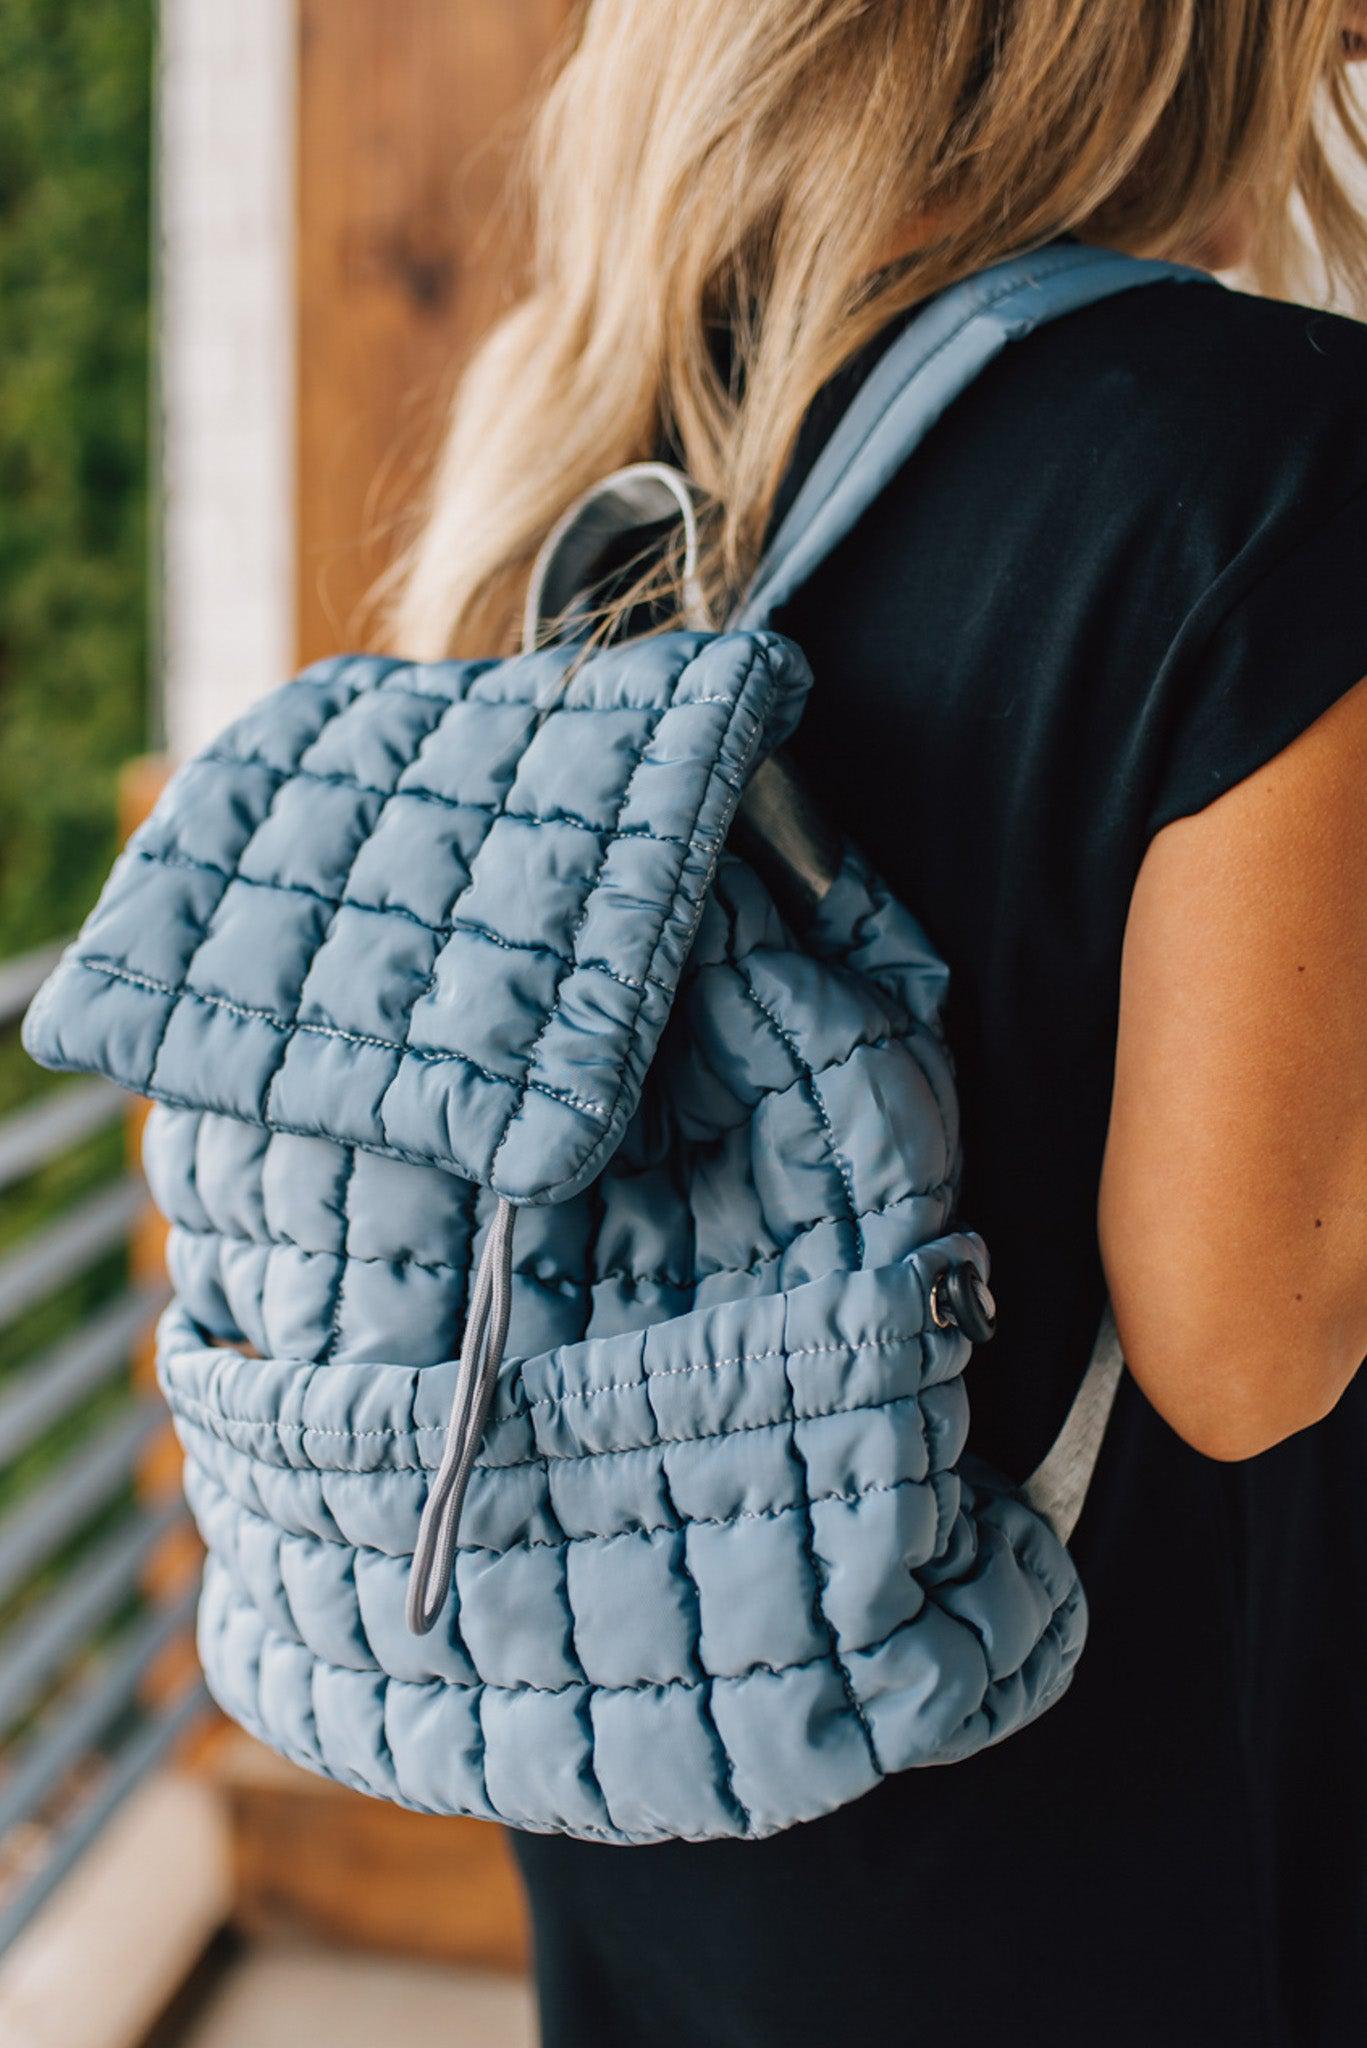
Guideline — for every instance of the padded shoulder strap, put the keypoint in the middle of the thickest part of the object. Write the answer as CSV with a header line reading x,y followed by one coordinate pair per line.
x,y
931,362
940,353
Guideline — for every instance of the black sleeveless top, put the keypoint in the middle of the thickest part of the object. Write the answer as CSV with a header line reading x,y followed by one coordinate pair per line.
x,y
1123,572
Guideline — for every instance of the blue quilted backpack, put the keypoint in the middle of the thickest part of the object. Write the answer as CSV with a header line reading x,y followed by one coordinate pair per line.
x,y
571,1310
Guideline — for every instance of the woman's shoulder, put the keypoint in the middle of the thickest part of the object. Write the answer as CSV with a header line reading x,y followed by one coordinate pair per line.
x,y
1267,333
1228,482
1209,380
1184,423
1243,346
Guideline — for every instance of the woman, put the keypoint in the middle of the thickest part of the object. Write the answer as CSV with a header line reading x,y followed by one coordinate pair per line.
x,y
1090,690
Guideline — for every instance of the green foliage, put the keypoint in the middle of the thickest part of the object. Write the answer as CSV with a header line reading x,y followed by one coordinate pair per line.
x,y
75,89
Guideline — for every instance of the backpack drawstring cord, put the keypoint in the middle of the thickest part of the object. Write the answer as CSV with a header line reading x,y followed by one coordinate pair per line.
x,y
481,1354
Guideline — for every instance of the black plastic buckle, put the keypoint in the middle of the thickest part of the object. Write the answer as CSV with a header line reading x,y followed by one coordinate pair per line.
x,y
961,1299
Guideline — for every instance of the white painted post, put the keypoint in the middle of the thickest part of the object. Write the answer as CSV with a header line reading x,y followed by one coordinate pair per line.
x,y
225,200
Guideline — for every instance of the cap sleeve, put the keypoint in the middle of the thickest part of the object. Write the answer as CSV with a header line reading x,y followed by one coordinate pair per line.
x,y
1272,646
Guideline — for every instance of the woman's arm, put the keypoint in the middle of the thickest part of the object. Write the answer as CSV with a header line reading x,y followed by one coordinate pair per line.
x,y
1233,1203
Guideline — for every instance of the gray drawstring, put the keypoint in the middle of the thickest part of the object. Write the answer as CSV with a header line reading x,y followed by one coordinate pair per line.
x,y
481,1354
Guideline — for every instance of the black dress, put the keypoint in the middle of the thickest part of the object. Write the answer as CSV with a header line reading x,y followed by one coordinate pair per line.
x,y
1127,568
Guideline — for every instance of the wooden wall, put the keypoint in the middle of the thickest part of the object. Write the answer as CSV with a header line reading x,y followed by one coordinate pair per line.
x,y
407,110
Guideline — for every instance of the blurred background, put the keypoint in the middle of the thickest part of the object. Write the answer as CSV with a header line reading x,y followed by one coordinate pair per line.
x,y
243,251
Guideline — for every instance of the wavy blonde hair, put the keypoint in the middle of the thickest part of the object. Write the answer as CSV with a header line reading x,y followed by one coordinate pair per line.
x,y
757,165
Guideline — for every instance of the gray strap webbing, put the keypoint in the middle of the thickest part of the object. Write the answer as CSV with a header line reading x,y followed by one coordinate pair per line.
x,y
638,495
1058,1485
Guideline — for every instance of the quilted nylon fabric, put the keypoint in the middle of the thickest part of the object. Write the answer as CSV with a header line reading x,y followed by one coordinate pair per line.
x,y
409,940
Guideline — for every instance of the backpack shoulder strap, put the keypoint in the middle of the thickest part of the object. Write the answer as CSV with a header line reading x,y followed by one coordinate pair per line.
x,y
938,354
924,370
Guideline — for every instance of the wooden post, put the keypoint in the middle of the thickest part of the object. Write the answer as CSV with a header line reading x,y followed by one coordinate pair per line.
x,y
408,113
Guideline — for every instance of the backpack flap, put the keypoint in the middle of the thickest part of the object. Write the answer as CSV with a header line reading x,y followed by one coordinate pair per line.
x,y
437,912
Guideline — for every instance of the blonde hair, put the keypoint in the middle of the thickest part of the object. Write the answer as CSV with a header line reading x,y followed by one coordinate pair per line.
x,y
754,165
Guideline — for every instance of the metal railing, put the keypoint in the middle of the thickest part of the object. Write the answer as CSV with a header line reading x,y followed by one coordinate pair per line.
x,y
81,1723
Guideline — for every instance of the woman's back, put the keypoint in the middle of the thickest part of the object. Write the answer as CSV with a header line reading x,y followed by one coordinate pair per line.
x,y
1120,576
1122,573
